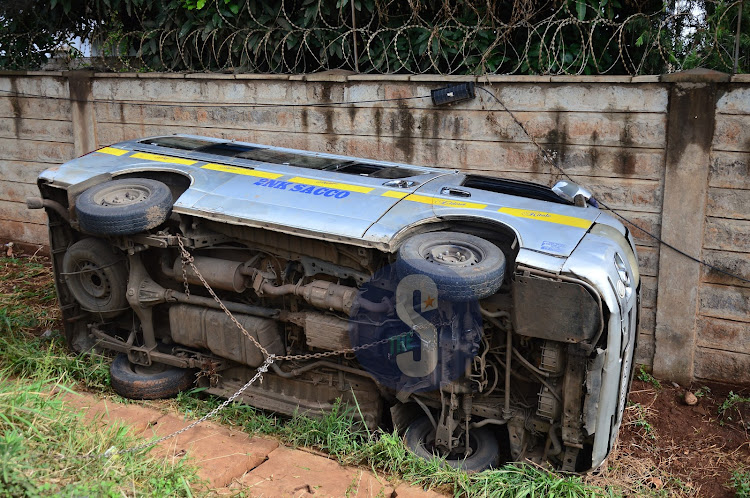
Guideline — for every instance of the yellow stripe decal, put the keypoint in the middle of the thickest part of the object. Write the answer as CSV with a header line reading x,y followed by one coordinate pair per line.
x,y
436,201
560,219
241,171
162,159
112,151
338,186
394,194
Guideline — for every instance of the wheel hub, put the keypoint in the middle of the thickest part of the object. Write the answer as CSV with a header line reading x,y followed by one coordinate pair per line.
x,y
451,254
94,281
123,196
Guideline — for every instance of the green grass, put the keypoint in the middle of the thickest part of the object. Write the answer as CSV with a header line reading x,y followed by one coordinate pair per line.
x,y
46,449
649,379
640,421
27,295
741,483
339,434
37,432
28,307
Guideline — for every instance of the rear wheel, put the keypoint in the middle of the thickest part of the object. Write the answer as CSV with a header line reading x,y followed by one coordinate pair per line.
x,y
420,439
156,381
96,275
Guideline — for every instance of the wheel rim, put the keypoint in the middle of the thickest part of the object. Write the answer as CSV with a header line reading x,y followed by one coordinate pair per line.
x,y
94,281
451,253
122,195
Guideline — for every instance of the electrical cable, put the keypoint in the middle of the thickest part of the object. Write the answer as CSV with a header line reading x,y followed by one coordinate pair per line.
x,y
546,156
200,104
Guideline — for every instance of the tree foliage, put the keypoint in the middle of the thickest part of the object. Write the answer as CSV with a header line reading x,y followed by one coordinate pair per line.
x,y
381,36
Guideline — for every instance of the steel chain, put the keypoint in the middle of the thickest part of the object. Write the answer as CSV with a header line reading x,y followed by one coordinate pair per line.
x,y
187,259
258,375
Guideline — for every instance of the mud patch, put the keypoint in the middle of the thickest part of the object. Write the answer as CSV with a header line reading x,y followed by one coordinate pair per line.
x,y
155,216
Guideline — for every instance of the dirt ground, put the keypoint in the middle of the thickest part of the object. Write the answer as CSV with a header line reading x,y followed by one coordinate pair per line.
x,y
676,449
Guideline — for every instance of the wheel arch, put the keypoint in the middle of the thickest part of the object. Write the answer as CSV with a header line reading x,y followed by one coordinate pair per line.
x,y
500,234
177,181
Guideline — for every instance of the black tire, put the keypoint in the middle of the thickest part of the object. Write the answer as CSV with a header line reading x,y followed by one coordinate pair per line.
x,y
157,381
97,277
482,440
124,207
479,276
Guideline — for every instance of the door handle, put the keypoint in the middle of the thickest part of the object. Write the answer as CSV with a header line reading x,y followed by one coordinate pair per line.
x,y
454,192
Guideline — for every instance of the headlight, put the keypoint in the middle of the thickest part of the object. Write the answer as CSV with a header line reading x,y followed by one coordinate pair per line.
x,y
626,253
622,270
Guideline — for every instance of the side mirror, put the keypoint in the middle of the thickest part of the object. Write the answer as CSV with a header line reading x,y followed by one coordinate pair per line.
x,y
572,192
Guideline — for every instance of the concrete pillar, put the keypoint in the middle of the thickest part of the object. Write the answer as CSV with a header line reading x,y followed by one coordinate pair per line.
x,y
82,110
690,131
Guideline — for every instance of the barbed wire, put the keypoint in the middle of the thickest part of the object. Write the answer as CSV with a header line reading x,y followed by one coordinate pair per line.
x,y
449,37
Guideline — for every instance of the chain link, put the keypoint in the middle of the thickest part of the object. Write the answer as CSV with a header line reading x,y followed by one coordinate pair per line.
x,y
258,375
188,260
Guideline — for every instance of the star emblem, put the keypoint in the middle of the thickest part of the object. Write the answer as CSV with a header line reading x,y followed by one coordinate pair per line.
x,y
429,303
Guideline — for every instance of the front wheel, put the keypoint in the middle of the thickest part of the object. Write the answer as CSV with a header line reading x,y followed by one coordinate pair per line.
x,y
464,267
420,439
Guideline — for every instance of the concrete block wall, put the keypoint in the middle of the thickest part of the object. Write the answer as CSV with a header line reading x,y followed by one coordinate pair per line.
x,y
616,135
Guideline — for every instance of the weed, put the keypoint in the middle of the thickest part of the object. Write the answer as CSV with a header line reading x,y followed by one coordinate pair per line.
x,y
648,378
730,408
28,304
703,391
741,483
640,421
340,434
27,296
732,402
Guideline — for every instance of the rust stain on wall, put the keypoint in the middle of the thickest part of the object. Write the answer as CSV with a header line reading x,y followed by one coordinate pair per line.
x,y
15,106
403,129
626,162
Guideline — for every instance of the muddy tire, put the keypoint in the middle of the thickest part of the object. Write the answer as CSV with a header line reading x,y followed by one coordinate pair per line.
x,y
123,207
420,437
464,267
96,275
157,381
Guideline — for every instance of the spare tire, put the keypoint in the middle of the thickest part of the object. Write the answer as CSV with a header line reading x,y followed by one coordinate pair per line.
x,y
123,207
156,381
464,267
96,275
